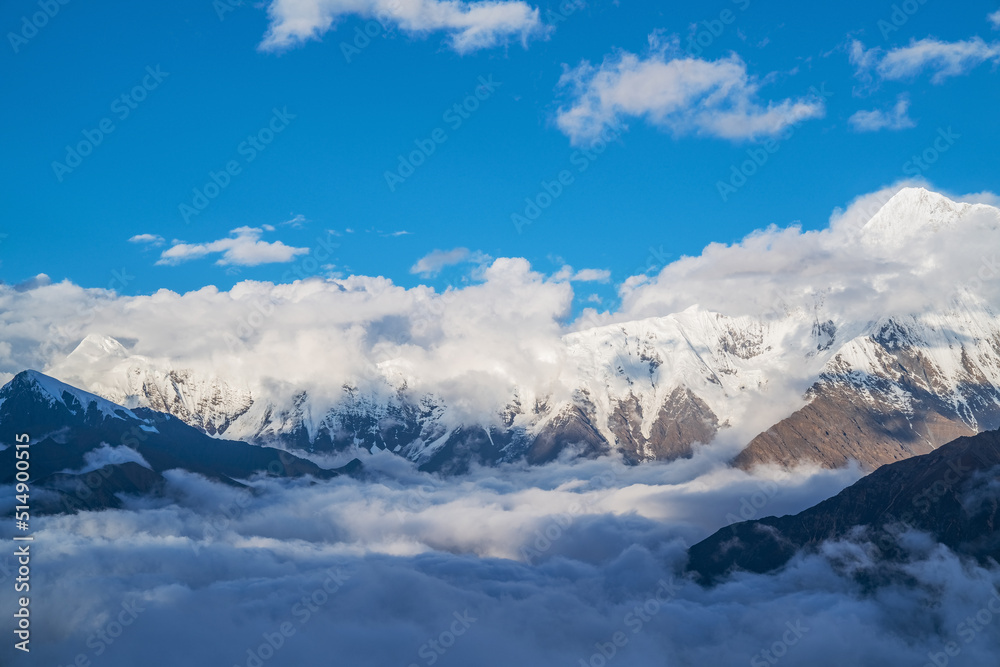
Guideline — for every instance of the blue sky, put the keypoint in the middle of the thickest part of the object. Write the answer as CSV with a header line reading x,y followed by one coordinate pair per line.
x,y
836,101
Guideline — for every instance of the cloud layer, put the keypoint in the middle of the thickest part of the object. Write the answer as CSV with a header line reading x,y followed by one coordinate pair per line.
x,y
521,566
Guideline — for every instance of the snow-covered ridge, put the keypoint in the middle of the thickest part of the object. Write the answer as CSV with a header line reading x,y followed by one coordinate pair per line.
x,y
56,393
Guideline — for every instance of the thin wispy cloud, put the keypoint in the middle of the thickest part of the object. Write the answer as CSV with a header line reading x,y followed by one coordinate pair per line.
x,y
469,26
434,262
148,239
244,247
583,275
297,221
680,94
941,59
874,120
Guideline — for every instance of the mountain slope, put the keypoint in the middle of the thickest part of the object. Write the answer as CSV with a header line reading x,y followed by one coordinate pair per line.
x,y
73,430
952,493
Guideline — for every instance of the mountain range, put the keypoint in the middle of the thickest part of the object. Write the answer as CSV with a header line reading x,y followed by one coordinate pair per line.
x,y
86,451
794,385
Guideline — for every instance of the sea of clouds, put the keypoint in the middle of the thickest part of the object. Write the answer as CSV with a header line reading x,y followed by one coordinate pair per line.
x,y
543,566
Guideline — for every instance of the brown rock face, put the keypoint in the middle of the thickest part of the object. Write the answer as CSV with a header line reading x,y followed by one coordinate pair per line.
x,y
836,428
904,410
683,420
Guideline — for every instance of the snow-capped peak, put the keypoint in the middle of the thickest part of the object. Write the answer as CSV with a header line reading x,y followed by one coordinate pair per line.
x,y
96,346
56,392
913,211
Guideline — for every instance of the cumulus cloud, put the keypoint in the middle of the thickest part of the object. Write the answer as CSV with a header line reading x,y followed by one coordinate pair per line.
x,y
896,118
942,59
678,93
470,26
433,262
243,248
40,280
994,19
149,239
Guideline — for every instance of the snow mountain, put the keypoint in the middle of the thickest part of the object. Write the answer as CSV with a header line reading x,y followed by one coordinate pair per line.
x,y
803,382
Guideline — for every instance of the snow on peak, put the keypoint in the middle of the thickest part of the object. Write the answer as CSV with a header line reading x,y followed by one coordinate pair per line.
x,y
96,346
57,392
913,211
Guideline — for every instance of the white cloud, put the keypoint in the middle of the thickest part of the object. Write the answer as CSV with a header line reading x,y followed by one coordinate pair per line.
x,y
994,19
680,94
150,239
469,25
895,119
829,270
243,248
433,262
107,455
583,275
942,59
297,221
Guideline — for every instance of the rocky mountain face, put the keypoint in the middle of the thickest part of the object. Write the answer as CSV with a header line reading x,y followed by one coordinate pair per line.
x,y
952,494
799,384
906,388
